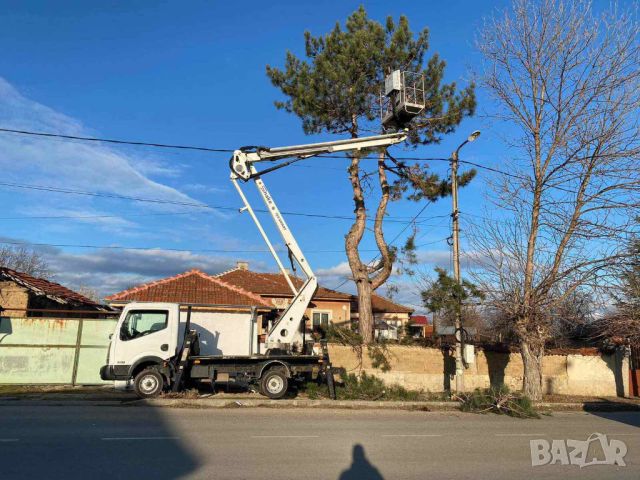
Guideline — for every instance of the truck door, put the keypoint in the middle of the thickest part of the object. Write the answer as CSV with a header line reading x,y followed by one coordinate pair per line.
x,y
146,332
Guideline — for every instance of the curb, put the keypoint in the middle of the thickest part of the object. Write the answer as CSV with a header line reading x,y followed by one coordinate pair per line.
x,y
227,403
259,403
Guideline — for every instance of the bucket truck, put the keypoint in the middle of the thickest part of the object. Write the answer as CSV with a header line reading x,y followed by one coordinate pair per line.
x,y
155,346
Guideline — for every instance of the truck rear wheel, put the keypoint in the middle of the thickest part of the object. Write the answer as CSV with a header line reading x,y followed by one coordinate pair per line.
x,y
274,384
148,383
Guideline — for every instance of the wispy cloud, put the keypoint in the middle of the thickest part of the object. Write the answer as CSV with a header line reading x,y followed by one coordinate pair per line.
x,y
342,269
75,165
201,188
99,218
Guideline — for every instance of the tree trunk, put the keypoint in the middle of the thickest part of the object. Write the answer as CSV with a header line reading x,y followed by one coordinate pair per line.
x,y
532,355
365,311
359,270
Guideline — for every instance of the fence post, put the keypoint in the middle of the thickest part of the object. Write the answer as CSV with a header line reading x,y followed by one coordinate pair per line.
x,y
76,357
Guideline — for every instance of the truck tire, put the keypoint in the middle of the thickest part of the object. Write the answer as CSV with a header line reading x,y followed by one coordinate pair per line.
x,y
274,384
148,383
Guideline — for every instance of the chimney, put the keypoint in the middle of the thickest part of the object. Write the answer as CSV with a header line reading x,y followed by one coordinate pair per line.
x,y
242,265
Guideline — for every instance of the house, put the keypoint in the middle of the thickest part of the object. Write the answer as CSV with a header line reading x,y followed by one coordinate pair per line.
x,y
327,306
22,295
204,292
390,318
420,326
241,288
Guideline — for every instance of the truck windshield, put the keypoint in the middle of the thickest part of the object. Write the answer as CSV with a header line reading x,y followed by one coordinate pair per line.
x,y
142,322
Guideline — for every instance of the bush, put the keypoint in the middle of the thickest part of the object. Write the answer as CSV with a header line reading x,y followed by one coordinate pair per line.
x,y
365,387
315,390
497,400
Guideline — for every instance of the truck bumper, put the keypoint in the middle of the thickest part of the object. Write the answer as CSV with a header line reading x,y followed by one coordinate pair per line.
x,y
114,372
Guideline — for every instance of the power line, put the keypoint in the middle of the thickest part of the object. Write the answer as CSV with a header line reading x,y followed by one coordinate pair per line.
x,y
121,247
153,144
80,217
226,150
47,188
392,241
433,242
111,140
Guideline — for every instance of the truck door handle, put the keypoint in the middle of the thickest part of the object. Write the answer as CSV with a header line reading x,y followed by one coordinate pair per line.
x,y
164,347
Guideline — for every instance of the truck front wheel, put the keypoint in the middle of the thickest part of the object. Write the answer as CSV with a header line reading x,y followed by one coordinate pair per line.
x,y
274,384
148,383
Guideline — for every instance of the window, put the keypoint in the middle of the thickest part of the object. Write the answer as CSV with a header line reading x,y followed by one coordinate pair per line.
x,y
140,323
321,320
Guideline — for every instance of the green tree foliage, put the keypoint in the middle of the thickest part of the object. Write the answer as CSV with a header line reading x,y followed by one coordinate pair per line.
x,y
336,89
444,296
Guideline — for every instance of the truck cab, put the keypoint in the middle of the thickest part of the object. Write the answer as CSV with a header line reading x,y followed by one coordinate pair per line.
x,y
146,334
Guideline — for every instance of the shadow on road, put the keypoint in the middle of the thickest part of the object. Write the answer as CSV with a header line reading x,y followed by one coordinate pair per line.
x,y
92,443
360,468
631,417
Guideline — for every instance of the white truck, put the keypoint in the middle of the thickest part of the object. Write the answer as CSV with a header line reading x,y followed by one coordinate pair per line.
x,y
155,345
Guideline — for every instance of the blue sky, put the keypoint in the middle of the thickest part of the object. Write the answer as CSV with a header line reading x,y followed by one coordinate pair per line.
x,y
192,73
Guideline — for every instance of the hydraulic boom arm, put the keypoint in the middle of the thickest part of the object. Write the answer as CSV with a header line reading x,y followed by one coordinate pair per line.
x,y
285,333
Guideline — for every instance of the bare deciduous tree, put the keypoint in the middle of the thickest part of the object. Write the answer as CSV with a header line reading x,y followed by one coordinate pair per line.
x,y
24,260
624,322
566,84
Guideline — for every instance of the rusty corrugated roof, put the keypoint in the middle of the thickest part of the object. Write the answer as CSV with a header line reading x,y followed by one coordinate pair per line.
x,y
52,290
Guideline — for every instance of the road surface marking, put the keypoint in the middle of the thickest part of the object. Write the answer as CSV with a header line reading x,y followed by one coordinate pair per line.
x,y
285,436
8,439
520,434
109,439
413,435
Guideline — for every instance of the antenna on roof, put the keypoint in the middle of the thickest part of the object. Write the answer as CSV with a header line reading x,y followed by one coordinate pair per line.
x,y
403,99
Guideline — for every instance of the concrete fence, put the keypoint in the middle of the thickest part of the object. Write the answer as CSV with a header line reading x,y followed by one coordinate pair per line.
x,y
53,350
432,370
72,350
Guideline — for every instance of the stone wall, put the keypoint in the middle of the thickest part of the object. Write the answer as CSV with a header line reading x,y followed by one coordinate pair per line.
x,y
432,370
14,299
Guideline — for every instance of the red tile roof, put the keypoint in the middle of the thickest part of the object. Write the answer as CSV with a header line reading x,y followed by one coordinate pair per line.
x,y
274,284
419,320
382,305
52,290
193,286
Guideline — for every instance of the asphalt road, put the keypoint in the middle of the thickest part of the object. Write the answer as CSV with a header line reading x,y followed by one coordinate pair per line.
x,y
161,443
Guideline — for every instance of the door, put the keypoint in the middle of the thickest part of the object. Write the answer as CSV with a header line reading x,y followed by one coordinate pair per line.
x,y
145,332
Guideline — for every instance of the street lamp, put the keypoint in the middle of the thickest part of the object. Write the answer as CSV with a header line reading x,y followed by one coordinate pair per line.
x,y
456,259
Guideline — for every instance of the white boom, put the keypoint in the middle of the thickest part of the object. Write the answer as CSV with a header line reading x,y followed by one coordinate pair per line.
x,y
285,333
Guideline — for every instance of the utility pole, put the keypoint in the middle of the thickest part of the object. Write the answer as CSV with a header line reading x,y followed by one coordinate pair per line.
x,y
456,260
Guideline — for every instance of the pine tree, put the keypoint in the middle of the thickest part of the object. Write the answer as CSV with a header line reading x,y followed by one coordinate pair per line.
x,y
336,90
